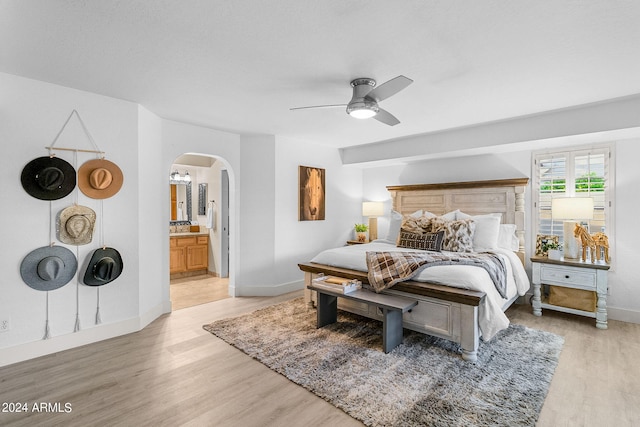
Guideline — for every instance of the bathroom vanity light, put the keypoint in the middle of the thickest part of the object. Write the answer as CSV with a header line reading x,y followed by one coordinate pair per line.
x,y
175,176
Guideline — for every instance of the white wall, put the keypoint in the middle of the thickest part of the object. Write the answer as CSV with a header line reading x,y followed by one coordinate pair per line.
x,y
214,179
624,300
154,286
32,114
624,285
273,240
298,241
257,209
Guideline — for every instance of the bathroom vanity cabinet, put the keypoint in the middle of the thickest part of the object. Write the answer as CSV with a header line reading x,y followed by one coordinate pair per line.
x,y
188,253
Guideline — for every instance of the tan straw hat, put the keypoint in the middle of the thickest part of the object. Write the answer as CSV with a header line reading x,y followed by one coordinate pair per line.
x,y
99,178
75,225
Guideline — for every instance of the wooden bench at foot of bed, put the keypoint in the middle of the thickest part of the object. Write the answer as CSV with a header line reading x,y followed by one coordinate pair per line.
x,y
442,311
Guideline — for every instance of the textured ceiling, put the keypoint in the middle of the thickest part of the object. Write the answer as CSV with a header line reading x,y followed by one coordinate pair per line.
x,y
240,65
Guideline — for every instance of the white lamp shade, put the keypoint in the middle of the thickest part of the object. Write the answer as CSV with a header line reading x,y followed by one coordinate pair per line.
x,y
572,208
372,209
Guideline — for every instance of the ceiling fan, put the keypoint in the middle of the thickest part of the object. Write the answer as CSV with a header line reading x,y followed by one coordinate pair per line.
x,y
364,102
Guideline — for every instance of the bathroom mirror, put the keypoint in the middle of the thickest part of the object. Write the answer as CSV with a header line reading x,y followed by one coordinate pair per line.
x,y
202,199
180,200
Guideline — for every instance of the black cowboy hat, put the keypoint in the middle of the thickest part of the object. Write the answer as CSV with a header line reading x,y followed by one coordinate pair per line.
x,y
48,178
105,266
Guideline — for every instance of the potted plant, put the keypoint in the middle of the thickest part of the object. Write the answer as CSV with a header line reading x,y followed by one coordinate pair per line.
x,y
361,232
552,249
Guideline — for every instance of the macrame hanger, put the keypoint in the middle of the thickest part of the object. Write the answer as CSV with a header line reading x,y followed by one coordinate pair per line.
x,y
76,327
97,150
103,246
47,333
101,155
98,319
51,242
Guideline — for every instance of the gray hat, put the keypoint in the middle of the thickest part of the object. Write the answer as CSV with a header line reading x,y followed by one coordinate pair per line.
x,y
75,225
105,266
48,268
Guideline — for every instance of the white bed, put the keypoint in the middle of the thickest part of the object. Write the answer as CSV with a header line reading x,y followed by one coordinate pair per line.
x,y
491,317
459,303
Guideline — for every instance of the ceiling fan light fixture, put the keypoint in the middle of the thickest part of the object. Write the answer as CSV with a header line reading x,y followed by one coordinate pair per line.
x,y
366,95
362,109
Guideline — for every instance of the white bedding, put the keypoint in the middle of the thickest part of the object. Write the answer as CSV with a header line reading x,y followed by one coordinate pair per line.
x,y
491,317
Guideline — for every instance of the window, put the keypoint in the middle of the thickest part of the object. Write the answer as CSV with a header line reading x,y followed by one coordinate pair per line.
x,y
573,173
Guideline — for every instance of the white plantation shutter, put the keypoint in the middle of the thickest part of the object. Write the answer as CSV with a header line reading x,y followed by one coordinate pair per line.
x,y
581,172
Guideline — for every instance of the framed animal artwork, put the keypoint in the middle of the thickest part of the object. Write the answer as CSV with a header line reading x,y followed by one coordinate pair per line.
x,y
311,194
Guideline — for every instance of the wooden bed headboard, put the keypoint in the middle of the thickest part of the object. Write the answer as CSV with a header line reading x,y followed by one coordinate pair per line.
x,y
473,197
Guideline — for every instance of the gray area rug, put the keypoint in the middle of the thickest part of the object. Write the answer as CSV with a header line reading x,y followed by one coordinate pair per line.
x,y
422,382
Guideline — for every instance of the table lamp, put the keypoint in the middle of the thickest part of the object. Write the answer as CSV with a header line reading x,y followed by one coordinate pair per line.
x,y
373,210
571,210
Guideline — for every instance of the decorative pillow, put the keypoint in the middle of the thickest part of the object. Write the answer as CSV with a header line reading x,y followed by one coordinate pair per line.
x,y
426,223
395,222
507,238
458,235
428,214
425,242
410,224
419,225
485,238
451,216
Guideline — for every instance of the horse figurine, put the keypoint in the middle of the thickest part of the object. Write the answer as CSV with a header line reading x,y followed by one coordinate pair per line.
x,y
587,242
602,242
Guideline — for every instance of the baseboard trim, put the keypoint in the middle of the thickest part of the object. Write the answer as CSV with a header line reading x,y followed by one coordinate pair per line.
x,y
268,291
31,350
623,315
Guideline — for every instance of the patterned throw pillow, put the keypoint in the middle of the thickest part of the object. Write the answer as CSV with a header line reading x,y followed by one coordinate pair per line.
x,y
424,242
458,235
419,225
410,224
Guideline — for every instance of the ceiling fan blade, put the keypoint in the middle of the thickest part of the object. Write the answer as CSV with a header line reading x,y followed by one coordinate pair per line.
x,y
389,88
318,106
386,117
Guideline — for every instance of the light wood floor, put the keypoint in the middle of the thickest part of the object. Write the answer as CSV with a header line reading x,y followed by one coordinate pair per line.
x,y
174,373
190,291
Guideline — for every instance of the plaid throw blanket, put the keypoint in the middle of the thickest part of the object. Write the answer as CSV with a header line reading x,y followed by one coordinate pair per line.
x,y
385,269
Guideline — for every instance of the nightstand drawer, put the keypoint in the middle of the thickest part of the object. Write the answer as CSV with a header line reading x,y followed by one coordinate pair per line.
x,y
585,279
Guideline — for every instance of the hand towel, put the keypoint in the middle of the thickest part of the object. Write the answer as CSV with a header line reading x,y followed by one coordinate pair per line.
x,y
211,216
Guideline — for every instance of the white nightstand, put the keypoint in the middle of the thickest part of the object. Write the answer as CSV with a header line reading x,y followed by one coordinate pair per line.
x,y
571,274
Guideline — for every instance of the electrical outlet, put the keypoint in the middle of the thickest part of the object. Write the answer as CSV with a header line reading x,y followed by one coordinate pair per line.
x,y
5,324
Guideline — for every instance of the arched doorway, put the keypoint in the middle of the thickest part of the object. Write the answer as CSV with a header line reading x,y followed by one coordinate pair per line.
x,y
199,230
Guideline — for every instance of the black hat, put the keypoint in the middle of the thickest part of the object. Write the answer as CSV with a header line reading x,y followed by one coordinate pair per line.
x,y
48,268
48,178
105,266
